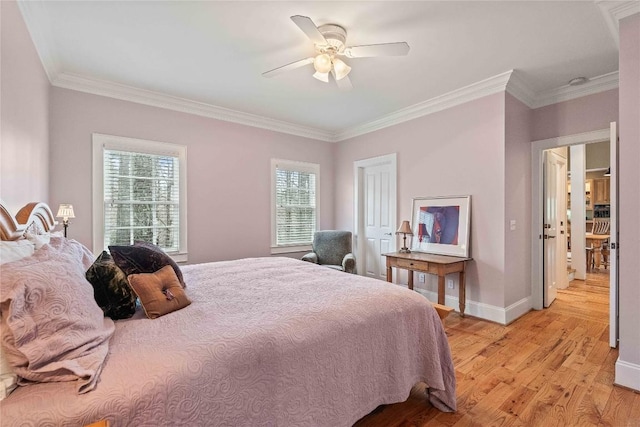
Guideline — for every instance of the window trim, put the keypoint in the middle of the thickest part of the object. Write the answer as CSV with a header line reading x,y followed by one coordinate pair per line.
x,y
300,167
110,142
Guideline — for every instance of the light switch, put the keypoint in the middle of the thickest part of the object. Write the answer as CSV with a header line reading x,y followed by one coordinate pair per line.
x,y
512,224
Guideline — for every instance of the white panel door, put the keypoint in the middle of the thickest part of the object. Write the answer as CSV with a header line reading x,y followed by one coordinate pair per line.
x,y
613,240
555,262
378,225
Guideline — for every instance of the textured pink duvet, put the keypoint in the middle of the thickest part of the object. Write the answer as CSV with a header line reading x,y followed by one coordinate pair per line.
x,y
266,341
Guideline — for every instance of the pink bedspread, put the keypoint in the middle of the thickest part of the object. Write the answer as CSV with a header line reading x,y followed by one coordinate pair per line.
x,y
266,341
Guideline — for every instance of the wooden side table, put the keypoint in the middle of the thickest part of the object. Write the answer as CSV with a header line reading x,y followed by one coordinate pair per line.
x,y
440,265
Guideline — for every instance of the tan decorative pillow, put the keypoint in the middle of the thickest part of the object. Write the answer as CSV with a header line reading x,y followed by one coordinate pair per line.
x,y
160,292
143,257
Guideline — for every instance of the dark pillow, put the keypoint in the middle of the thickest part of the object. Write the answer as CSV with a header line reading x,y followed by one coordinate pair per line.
x,y
143,257
160,293
110,288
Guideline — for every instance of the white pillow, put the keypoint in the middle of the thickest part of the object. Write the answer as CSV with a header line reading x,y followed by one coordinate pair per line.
x,y
15,250
39,240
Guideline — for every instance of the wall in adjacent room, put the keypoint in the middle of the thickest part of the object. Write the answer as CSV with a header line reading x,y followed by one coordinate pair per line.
x,y
24,120
228,175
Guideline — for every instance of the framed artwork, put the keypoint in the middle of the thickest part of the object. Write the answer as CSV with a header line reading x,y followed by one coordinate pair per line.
x,y
441,225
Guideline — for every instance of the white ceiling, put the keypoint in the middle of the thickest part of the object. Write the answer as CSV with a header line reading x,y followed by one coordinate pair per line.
x,y
214,52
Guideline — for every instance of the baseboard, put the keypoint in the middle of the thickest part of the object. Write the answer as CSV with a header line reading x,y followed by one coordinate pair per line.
x,y
518,309
627,375
493,313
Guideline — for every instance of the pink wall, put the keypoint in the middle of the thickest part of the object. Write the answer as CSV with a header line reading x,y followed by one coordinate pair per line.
x,y
228,174
24,119
517,166
629,204
585,114
457,151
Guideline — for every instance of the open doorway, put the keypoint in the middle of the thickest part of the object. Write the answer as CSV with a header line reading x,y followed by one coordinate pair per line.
x,y
537,223
591,215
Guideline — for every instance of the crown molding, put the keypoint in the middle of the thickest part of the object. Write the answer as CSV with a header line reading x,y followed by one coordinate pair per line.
x,y
156,99
614,11
40,36
43,42
486,87
510,81
456,97
565,93
519,88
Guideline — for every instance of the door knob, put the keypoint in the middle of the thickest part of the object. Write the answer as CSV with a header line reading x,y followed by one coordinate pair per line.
x,y
388,234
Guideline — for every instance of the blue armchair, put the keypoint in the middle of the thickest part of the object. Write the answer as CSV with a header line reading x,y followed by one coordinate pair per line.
x,y
332,248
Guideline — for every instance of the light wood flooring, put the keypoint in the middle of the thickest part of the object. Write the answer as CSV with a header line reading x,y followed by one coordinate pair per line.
x,y
551,367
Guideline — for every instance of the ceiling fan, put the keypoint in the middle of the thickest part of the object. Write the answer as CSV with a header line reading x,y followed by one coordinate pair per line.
x,y
329,41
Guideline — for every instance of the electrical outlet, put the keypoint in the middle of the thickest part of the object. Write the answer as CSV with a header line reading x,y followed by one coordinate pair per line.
x,y
450,283
421,277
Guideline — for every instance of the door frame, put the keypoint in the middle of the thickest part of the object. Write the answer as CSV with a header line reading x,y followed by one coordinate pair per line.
x,y
537,192
614,266
359,199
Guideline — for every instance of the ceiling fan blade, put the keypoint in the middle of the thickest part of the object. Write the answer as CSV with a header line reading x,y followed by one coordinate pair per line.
x,y
344,83
288,67
384,49
309,28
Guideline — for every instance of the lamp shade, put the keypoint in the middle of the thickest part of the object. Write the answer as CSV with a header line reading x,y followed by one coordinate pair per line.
x,y
341,69
322,63
65,211
323,77
405,228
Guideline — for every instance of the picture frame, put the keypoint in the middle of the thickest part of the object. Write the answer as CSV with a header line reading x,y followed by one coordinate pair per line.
x,y
441,225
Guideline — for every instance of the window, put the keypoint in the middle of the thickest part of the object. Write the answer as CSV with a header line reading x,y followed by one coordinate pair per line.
x,y
294,203
139,194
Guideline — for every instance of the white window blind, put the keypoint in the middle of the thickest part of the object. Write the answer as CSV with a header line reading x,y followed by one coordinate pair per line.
x,y
139,193
295,203
141,199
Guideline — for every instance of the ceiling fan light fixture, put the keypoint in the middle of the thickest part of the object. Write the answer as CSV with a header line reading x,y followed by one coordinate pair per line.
x,y
341,69
323,77
329,41
322,63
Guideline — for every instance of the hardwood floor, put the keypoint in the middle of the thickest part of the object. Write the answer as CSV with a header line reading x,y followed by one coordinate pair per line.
x,y
551,367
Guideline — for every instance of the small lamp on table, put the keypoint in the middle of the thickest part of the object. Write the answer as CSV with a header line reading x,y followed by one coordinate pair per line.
x,y
65,211
404,229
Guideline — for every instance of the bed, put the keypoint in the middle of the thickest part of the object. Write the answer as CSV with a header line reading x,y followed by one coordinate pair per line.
x,y
265,341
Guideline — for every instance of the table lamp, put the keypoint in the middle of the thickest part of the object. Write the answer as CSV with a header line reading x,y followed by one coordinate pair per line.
x,y
65,211
405,228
